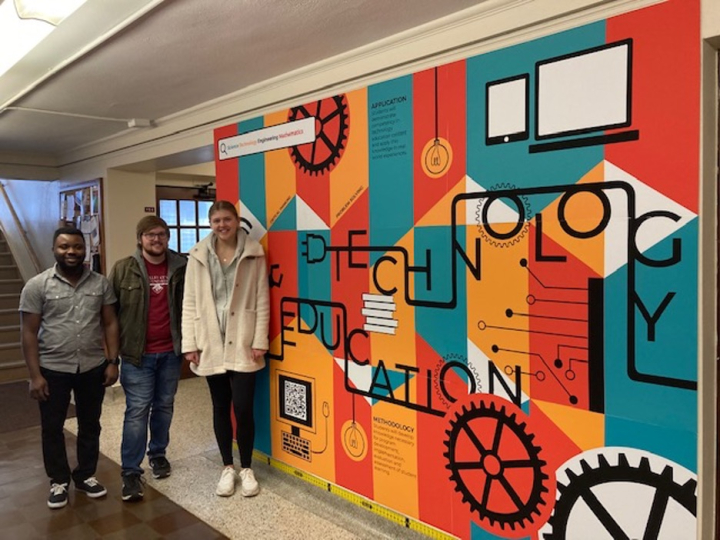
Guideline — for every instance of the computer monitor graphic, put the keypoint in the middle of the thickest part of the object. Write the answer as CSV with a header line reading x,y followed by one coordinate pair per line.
x,y
296,407
584,93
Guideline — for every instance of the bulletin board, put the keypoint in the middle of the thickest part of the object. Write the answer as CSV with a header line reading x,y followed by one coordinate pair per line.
x,y
81,207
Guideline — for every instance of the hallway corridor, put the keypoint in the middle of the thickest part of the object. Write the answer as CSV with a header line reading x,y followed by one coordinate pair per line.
x,y
24,514
183,506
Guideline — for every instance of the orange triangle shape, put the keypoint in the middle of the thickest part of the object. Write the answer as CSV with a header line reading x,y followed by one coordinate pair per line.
x,y
440,213
586,429
582,212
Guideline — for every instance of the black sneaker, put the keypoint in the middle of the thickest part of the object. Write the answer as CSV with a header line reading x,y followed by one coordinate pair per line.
x,y
91,487
58,496
160,467
132,488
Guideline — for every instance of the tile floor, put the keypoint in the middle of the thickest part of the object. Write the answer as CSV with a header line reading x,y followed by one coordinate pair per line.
x,y
286,508
24,514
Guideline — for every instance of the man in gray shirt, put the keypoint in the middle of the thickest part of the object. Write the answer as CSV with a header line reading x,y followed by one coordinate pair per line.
x,y
66,311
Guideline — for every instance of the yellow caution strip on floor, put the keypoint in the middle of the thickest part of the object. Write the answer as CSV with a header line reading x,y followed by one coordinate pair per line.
x,y
356,499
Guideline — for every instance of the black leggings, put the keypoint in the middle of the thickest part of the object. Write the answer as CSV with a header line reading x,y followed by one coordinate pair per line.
x,y
237,389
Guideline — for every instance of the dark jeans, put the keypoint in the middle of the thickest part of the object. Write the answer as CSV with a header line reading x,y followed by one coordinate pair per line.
x,y
89,393
238,390
149,396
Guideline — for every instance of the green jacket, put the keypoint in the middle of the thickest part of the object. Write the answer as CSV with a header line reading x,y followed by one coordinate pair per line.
x,y
129,280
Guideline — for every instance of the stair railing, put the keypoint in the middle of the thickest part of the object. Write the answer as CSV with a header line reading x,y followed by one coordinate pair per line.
x,y
23,232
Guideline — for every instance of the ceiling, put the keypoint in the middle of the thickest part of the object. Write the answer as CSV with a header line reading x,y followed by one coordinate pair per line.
x,y
144,60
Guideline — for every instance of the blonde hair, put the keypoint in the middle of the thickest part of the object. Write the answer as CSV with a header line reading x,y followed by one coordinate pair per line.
x,y
217,206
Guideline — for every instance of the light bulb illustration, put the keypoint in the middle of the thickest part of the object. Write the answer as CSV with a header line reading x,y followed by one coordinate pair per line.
x,y
437,153
354,440
437,157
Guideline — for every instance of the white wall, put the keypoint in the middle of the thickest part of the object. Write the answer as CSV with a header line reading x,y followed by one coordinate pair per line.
x,y
38,209
37,204
711,21
125,197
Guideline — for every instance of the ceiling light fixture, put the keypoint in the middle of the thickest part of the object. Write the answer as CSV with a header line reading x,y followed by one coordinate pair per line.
x,y
25,23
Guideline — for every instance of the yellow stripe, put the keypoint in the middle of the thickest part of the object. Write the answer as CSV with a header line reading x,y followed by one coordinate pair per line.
x,y
356,499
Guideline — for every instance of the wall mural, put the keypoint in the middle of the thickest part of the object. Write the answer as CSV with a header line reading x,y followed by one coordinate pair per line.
x,y
484,284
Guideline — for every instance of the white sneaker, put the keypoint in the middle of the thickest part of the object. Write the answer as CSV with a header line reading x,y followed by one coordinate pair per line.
x,y
249,485
226,485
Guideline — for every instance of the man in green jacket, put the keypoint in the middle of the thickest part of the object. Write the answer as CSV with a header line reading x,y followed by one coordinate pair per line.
x,y
149,287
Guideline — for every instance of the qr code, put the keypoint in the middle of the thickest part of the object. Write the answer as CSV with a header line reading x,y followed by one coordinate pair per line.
x,y
296,400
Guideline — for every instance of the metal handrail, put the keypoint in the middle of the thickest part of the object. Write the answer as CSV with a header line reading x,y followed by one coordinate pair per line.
x,y
23,233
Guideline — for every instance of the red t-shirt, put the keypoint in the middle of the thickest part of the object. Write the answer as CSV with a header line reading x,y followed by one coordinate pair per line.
x,y
158,337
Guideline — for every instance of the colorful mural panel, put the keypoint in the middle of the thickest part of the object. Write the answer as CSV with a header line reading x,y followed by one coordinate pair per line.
x,y
484,283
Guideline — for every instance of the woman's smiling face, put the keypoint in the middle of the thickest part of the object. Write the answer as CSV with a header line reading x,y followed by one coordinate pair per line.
x,y
224,224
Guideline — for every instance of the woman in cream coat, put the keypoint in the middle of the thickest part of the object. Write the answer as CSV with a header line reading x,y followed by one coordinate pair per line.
x,y
226,310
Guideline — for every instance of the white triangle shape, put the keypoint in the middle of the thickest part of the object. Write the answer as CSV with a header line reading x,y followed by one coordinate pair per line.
x,y
499,211
472,216
471,186
307,219
651,232
256,230
360,376
479,364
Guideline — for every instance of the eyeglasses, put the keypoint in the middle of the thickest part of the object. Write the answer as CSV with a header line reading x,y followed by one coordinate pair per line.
x,y
156,236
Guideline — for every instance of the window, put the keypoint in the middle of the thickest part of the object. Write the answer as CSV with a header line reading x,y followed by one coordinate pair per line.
x,y
186,213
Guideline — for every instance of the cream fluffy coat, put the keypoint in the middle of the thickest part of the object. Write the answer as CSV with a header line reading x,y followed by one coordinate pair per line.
x,y
248,313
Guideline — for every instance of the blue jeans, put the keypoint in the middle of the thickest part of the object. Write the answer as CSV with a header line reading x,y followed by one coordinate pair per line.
x,y
149,394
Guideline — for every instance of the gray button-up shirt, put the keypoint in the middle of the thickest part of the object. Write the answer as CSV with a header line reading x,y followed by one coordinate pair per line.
x,y
71,333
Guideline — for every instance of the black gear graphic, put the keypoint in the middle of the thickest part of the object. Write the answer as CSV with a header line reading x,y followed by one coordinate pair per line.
x,y
504,240
453,357
526,502
580,487
332,123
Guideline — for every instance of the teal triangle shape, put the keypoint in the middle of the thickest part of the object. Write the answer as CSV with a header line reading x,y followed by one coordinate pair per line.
x,y
525,407
287,220
396,380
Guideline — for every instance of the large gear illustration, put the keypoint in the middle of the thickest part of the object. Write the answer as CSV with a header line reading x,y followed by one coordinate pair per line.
x,y
622,500
497,468
496,238
331,133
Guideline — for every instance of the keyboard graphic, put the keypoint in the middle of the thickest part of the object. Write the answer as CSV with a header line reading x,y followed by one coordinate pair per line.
x,y
296,445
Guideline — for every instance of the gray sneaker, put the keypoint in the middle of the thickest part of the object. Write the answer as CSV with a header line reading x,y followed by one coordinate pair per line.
x,y
160,467
132,490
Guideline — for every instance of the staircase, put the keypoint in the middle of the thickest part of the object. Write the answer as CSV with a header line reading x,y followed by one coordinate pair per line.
x,y
12,365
